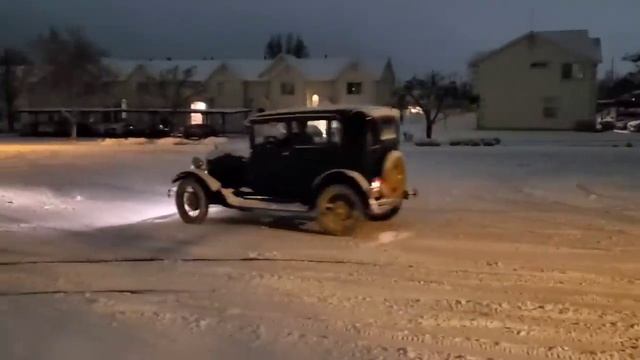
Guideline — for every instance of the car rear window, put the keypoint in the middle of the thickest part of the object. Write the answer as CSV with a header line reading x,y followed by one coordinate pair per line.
x,y
388,130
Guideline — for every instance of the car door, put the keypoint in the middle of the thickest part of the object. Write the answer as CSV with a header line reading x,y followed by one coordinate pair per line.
x,y
270,148
315,149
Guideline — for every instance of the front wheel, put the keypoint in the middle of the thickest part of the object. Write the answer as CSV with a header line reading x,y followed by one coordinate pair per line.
x,y
191,201
339,210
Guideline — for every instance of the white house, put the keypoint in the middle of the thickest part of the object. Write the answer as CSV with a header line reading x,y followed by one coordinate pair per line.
x,y
269,84
541,80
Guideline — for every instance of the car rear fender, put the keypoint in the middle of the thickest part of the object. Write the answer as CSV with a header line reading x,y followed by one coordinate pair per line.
x,y
350,178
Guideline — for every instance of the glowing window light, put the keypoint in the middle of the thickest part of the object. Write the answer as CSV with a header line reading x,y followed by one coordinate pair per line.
x,y
315,100
197,118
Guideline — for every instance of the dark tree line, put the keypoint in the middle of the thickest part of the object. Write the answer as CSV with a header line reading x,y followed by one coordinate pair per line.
x,y
13,77
611,87
292,45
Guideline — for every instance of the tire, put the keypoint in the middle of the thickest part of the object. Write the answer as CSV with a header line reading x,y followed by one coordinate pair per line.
x,y
386,215
394,176
339,210
192,202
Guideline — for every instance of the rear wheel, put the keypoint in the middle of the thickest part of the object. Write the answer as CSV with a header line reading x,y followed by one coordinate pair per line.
x,y
191,201
339,210
388,215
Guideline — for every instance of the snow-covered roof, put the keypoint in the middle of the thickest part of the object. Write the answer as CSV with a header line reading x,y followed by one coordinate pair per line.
x,y
320,69
330,68
121,68
575,41
373,111
202,68
247,69
315,69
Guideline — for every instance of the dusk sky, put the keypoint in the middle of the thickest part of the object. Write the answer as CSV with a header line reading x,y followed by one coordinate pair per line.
x,y
418,35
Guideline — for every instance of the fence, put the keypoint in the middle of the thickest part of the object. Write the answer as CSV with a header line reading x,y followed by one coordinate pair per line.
x,y
117,121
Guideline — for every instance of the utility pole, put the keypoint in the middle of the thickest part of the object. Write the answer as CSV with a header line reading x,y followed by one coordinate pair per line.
x,y
532,19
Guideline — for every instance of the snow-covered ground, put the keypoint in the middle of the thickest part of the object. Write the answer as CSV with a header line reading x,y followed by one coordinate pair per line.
x,y
510,252
463,125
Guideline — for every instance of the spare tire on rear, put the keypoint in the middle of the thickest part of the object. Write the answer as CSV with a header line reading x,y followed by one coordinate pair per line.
x,y
394,176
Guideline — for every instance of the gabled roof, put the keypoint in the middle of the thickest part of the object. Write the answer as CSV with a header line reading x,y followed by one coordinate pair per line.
x,y
202,68
247,69
320,69
121,68
314,69
575,41
327,69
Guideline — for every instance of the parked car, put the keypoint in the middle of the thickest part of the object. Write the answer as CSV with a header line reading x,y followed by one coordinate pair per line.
x,y
199,131
633,126
339,165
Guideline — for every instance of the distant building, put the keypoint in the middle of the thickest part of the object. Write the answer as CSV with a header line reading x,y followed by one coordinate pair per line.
x,y
541,80
269,84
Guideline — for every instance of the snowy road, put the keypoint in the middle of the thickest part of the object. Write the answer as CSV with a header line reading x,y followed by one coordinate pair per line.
x,y
515,252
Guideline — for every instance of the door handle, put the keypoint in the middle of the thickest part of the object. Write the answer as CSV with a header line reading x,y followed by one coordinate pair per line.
x,y
285,153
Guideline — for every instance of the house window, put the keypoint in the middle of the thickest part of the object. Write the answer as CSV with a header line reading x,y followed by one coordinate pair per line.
x,y
550,107
287,88
354,88
196,118
315,100
220,88
539,65
572,71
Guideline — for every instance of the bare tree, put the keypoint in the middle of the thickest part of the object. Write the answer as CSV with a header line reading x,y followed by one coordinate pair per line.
x,y
72,63
175,86
400,101
14,77
427,93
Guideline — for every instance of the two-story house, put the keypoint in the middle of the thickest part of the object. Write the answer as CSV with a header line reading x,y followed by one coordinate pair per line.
x,y
269,84
541,80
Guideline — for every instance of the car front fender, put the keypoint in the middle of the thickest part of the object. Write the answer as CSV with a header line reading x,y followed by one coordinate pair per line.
x,y
202,176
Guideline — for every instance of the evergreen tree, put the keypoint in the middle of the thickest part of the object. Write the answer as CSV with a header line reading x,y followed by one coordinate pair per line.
x,y
300,49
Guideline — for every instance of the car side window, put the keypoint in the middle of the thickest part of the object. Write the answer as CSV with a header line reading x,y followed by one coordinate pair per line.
x,y
269,132
314,132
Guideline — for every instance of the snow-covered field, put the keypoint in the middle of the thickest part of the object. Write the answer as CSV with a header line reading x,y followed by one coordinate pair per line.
x,y
510,252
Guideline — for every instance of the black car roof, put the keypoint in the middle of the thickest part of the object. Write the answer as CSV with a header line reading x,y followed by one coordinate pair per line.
x,y
370,111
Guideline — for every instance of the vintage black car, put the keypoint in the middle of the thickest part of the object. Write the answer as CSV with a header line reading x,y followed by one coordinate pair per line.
x,y
338,164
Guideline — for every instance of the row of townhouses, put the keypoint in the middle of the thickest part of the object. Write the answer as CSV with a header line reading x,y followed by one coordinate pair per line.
x,y
283,82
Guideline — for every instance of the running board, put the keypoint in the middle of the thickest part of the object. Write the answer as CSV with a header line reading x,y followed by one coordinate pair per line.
x,y
251,204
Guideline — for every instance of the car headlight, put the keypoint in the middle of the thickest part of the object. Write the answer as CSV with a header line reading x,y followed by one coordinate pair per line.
x,y
197,163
